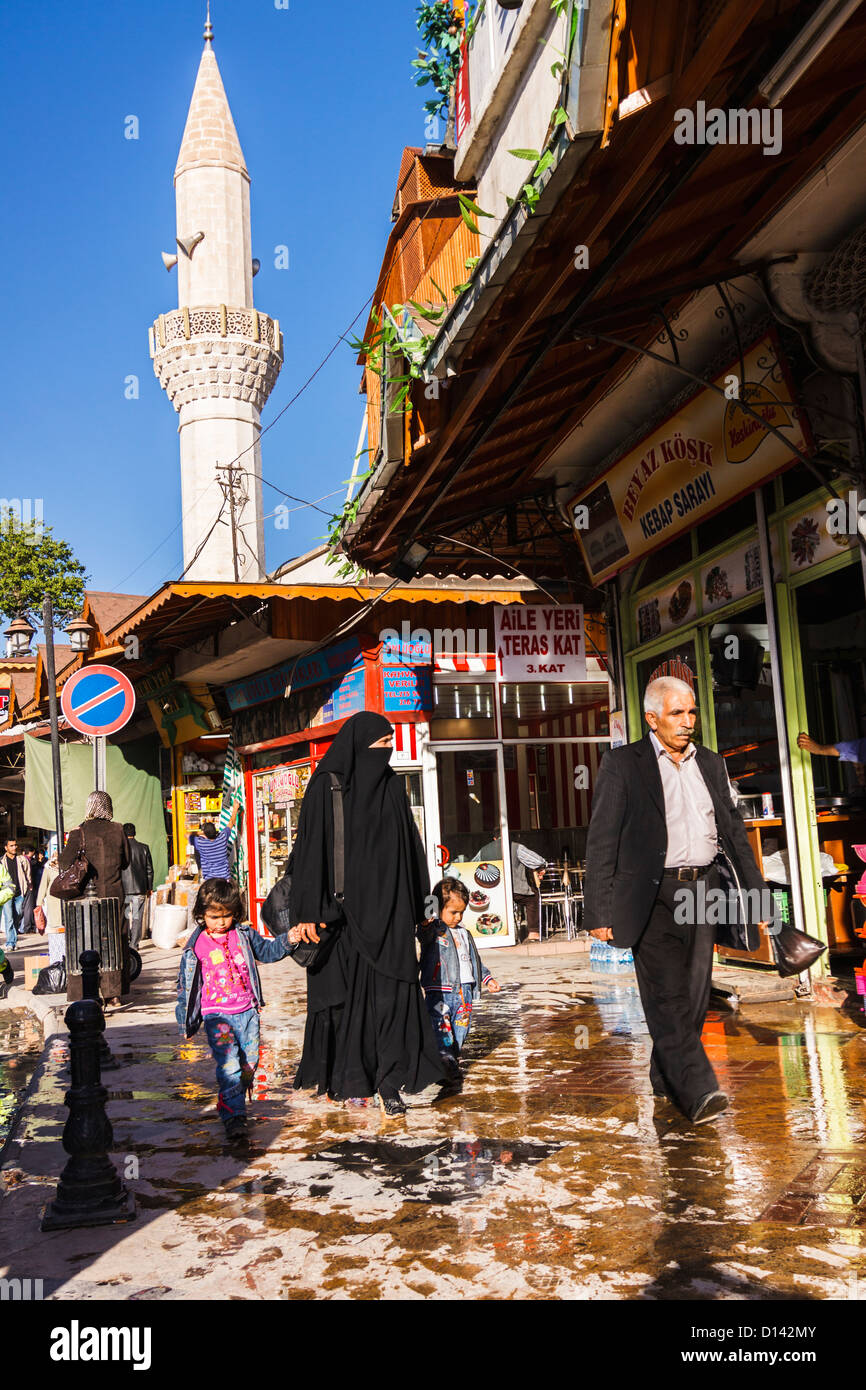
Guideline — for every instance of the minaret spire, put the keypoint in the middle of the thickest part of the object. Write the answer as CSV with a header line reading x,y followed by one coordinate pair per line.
x,y
217,356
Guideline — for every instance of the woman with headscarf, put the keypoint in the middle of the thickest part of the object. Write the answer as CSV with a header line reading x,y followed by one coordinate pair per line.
x,y
107,849
367,1029
53,909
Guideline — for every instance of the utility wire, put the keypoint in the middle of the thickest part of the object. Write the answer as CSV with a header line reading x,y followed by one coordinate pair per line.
x,y
202,543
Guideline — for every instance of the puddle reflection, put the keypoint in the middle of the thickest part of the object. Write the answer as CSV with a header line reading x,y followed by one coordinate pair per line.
x,y
439,1172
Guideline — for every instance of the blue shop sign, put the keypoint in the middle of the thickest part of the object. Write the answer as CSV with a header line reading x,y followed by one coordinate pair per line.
x,y
315,669
347,698
406,650
406,690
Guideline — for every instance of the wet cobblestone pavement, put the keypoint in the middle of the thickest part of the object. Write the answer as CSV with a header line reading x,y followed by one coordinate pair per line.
x,y
20,1050
553,1174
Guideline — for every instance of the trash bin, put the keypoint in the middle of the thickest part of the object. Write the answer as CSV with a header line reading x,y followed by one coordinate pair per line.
x,y
94,924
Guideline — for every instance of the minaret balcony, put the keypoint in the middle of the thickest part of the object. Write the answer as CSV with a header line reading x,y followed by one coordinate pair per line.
x,y
216,351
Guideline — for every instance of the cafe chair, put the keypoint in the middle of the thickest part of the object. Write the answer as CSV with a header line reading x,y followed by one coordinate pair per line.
x,y
554,902
576,874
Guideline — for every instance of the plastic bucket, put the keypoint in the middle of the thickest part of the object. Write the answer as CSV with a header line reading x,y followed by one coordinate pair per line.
x,y
168,923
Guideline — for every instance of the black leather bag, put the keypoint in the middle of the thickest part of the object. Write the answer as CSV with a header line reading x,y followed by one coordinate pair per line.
x,y
276,907
70,882
795,950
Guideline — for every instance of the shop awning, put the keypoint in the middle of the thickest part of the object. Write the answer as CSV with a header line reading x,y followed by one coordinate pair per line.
x,y
191,612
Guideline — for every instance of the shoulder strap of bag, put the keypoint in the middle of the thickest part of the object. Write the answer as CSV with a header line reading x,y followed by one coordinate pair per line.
x,y
339,837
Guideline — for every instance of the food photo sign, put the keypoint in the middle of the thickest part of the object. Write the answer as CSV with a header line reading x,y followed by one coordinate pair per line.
x,y
486,914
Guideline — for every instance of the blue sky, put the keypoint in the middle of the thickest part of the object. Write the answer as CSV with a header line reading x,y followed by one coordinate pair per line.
x,y
323,103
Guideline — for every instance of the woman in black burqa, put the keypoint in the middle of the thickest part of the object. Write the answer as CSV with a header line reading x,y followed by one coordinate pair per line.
x,y
367,1028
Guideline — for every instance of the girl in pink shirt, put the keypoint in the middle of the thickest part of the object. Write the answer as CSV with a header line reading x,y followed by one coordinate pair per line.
x,y
218,985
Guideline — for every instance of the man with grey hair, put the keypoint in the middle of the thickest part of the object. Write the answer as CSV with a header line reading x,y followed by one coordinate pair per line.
x,y
663,830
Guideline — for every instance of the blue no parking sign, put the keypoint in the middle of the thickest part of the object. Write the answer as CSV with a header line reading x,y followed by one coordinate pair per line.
x,y
98,700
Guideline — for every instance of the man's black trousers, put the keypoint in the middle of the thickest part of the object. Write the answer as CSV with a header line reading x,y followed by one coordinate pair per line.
x,y
673,963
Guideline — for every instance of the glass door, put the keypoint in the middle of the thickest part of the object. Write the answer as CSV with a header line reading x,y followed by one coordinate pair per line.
x,y
470,835
277,795
412,784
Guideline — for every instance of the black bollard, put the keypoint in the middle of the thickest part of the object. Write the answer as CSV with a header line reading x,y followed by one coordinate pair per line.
x,y
90,1191
89,962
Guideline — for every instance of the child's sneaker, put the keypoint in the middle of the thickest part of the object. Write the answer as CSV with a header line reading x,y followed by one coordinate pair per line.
x,y
452,1067
236,1127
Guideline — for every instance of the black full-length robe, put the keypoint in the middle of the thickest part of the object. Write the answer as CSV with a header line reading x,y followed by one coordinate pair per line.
x,y
367,1026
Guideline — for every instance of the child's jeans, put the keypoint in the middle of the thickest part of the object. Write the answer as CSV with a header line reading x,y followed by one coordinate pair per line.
x,y
450,1013
10,918
234,1042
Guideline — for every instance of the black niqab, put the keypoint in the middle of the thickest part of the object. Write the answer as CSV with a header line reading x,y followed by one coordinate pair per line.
x,y
386,878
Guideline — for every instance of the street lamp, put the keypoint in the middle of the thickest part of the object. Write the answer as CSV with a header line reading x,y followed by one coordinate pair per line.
x,y
78,632
51,676
19,635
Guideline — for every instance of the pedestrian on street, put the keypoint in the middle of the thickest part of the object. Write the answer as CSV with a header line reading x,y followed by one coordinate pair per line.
x,y
28,923
16,870
107,849
137,883
53,909
452,972
527,871
218,984
367,1029
211,847
663,824
37,868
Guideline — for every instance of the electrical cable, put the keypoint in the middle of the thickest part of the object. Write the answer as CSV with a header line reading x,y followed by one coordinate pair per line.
x,y
534,582
201,545
367,606
497,560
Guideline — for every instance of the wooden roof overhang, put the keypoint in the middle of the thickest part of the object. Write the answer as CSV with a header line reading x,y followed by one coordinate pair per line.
x,y
180,615
660,220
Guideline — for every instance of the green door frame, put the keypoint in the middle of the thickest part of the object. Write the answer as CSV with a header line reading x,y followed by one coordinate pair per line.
x,y
805,824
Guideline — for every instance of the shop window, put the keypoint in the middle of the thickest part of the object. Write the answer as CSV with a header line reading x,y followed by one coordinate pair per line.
x,y
463,710
664,561
277,796
679,660
798,482
415,795
745,714
545,710
277,757
832,624
469,823
719,529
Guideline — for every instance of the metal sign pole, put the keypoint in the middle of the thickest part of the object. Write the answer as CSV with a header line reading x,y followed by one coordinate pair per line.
x,y
99,763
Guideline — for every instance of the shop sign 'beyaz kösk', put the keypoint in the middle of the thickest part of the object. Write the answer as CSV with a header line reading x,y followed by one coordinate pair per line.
x,y
708,454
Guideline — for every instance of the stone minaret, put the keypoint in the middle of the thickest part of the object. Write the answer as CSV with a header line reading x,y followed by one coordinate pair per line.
x,y
216,356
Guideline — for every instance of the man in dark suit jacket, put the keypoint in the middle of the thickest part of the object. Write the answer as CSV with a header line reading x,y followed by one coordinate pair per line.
x,y
663,836
137,882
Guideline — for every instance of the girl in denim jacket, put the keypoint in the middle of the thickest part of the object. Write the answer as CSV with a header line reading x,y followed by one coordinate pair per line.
x,y
218,984
452,972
